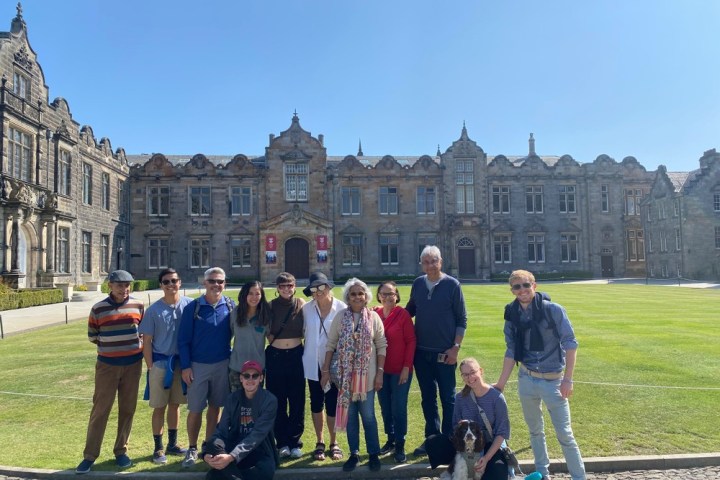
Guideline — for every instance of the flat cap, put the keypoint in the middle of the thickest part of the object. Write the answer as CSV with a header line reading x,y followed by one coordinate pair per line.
x,y
120,276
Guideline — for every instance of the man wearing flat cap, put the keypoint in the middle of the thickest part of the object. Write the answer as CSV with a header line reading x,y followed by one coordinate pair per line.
x,y
113,327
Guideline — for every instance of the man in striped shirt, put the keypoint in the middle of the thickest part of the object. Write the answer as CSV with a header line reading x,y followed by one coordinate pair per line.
x,y
113,327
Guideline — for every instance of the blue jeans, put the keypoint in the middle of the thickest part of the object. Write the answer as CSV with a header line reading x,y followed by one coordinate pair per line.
x,y
366,409
393,405
533,392
432,377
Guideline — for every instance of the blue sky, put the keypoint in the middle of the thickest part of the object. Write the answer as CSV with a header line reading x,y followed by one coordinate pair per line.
x,y
623,78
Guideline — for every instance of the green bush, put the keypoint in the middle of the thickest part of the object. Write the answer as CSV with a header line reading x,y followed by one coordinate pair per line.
x,y
137,286
12,299
81,288
568,275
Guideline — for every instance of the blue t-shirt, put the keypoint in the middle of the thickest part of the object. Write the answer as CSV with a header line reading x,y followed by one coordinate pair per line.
x,y
162,322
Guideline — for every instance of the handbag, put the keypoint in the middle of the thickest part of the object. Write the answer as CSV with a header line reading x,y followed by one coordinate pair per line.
x,y
334,369
507,454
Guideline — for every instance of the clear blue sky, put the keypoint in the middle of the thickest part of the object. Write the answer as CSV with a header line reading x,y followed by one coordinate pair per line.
x,y
621,77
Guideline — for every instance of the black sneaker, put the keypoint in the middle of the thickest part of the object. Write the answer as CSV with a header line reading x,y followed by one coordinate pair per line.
x,y
374,463
387,448
400,456
351,463
420,451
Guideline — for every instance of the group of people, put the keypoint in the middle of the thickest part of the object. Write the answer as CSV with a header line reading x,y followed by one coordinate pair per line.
x,y
345,350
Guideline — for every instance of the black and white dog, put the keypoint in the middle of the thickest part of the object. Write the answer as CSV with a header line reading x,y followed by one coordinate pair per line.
x,y
469,447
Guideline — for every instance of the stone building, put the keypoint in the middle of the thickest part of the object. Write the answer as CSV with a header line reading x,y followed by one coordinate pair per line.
x,y
682,222
62,193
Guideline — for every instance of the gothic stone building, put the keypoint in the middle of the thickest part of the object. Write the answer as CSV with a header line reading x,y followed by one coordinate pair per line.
x,y
72,209
62,193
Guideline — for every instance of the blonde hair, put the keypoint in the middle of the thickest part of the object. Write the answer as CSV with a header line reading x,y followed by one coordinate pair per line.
x,y
521,274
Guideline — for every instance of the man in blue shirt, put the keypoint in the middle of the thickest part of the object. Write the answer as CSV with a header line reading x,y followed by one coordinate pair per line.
x,y
540,338
204,349
437,303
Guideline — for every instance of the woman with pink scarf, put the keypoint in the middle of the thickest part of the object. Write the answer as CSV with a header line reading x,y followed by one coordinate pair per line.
x,y
358,338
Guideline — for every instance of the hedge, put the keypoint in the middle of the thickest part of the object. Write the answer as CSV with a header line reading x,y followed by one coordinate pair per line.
x,y
137,286
12,299
568,275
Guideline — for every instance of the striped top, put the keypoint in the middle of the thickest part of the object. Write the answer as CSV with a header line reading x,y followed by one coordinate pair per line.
x,y
113,327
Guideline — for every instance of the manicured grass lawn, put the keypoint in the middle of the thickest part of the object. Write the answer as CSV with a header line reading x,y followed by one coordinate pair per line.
x,y
647,381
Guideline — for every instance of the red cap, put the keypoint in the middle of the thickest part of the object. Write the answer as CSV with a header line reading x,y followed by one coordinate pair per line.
x,y
251,365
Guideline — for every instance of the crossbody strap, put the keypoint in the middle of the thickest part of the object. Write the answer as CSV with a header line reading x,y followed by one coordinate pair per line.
x,y
482,415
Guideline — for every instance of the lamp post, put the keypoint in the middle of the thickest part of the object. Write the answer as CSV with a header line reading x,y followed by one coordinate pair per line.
x,y
119,255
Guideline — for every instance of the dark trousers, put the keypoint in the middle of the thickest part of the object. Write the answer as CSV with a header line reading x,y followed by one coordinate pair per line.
x,y
434,377
256,466
286,380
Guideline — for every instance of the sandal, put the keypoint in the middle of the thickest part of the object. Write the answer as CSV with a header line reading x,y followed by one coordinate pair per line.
x,y
319,453
335,452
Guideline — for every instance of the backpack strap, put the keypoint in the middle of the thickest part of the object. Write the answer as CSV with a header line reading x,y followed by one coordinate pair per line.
x,y
484,417
553,326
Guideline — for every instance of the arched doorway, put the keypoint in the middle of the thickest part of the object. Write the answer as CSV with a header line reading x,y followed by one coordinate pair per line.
x,y
297,257
466,258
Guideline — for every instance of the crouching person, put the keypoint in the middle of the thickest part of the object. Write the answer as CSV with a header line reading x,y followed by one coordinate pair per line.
x,y
243,445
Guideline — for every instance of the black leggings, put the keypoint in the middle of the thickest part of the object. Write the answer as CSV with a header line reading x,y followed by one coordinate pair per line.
x,y
256,466
286,380
440,451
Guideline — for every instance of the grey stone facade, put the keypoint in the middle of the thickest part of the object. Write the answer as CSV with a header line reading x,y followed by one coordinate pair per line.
x,y
62,200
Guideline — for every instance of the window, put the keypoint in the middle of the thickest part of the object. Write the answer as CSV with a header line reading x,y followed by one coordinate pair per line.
x,y
465,186
200,201
716,202
678,239
426,200
536,248
569,248
534,199
676,207
352,249
240,201
350,200
199,252
567,198
87,184
121,199
663,241
650,243
104,253
604,198
389,249
158,252
240,251
19,155
158,201
717,238
425,239
21,86
63,250
503,248
649,212
635,245
63,173
632,201
87,252
388,201
661,211
296,182
120,244
501,199
106,191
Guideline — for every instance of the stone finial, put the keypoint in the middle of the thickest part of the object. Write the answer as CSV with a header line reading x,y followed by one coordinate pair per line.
x,y
438,151
531,142
19,10
360,152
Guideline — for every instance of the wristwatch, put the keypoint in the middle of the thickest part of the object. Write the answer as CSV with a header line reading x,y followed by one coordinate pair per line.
x,y
457,345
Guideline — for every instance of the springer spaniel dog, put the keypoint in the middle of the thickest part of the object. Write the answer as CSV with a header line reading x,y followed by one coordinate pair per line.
x,y
469,447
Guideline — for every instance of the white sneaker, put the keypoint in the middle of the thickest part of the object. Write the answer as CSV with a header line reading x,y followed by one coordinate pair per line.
x,y
295,453
284,452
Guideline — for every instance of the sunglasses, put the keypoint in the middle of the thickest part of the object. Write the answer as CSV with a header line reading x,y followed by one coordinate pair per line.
x,y
518,286
319,288
387,294
215,281
286,285
174,281
357,294
248,376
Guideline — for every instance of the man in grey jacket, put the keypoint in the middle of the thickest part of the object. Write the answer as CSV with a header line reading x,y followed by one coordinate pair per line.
x,y
243,445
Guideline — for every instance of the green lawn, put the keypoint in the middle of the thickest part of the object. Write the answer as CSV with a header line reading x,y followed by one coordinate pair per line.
x,y
647,381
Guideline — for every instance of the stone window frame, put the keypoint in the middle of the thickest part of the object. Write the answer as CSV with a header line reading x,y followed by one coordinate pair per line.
x,y
241,200
605,198
534,199
502,247
717,238
64,173
63,249
426,200
158,200
87,173
158,247
352,249
350,201
202,246
105,200
296,181
22,85
500,200
86,243
635,244
716,202
246,255
20,154
569,248
633,197
388,200
678,240
536,247
104,253
464,186
389,245
200,201
567,199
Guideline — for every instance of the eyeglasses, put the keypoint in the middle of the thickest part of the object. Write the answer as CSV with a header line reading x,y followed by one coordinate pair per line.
x,y
174,281
286,285
387,294
518,286
357,294
468,374
215,281
319,288
248,376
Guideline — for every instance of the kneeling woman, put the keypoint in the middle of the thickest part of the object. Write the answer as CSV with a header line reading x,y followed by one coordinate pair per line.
x,y
243,445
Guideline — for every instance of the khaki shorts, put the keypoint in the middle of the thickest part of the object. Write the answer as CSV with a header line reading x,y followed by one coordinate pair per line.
x,y
209,386
159,395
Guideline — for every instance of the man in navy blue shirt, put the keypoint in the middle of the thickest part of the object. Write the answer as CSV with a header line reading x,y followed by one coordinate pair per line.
x,y
437,303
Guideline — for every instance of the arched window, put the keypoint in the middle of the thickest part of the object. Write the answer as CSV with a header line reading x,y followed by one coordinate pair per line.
x,y
465,242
